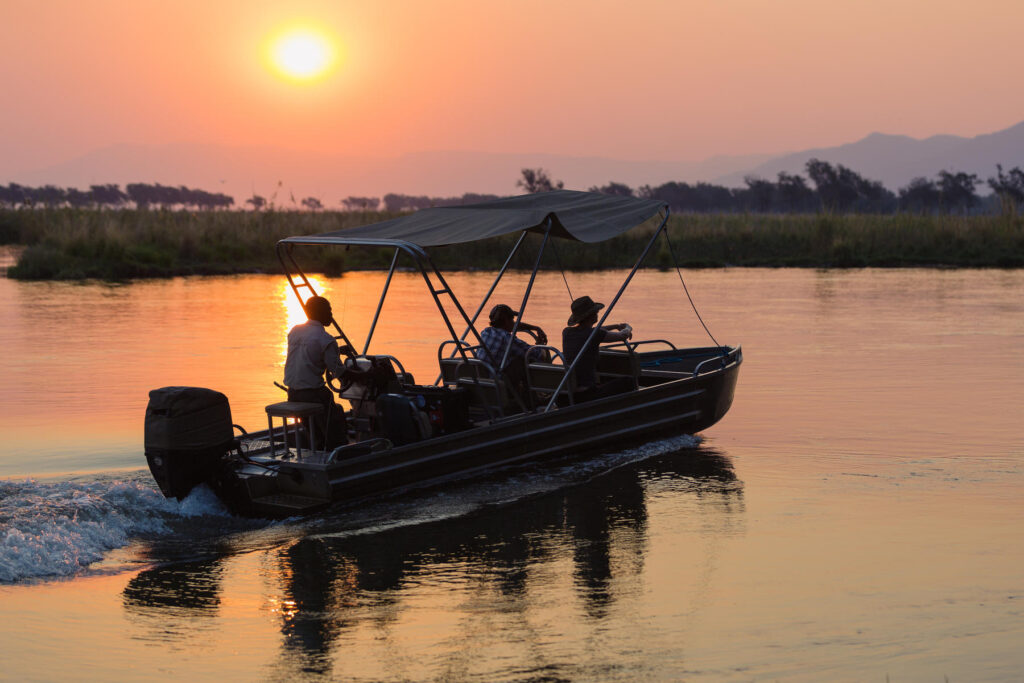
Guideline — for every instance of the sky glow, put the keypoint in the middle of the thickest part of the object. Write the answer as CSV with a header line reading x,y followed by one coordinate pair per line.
x,y
670,80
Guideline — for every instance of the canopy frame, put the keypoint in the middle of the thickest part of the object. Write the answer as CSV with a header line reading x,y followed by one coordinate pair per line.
x,y
549,226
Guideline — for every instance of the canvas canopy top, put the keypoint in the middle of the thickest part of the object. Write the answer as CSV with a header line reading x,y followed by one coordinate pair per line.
x,y
581,216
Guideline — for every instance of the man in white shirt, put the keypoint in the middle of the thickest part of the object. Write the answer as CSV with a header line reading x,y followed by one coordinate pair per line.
x,y
312,351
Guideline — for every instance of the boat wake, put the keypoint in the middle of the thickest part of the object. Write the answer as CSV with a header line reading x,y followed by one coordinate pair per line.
x,y
68,528
61,528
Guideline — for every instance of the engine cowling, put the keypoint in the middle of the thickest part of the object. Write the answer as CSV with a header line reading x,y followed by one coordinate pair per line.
x,y
188,432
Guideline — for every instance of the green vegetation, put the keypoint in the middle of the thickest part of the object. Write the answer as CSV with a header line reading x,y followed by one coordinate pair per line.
x,y
69,243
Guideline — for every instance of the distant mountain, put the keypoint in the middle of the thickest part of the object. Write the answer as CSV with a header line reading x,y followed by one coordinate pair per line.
x,y
897,159
242,171
283,174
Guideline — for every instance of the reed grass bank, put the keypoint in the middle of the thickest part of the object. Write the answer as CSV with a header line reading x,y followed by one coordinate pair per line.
x,y
62,244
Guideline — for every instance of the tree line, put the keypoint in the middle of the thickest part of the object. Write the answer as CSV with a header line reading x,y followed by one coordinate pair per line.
x,y
836,189
142,195
828,187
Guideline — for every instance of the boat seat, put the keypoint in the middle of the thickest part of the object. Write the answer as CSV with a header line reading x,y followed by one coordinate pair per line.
x,y
543,378
617,363
486,389
450,370
450,366
300,413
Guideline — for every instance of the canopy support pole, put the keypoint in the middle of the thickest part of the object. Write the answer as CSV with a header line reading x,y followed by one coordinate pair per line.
x,y
494,285
526,295
608,310
380,304
483,303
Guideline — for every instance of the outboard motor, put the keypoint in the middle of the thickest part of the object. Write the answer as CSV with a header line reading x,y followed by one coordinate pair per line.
x,y
188,431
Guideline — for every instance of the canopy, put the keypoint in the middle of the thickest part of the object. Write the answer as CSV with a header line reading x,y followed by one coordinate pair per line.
x,y
582,216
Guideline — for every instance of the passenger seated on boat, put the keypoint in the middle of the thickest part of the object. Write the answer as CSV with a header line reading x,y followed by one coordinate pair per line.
x,y
497,337
312,351
574,337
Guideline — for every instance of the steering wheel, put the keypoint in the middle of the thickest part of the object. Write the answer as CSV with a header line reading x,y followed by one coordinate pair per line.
x,y
353,373
339,386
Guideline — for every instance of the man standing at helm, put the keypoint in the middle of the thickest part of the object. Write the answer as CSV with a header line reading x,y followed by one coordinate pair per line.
x,y
311,352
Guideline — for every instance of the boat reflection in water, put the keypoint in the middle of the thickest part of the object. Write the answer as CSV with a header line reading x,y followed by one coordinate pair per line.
x,y
562,558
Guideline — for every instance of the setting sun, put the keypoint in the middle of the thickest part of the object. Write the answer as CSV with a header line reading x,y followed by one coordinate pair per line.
x,y
302,54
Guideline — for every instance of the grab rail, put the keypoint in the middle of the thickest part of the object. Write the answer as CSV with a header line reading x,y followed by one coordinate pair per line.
x,y
736,353
631,345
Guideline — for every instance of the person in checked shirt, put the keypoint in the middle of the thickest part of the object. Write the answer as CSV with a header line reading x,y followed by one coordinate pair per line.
x,y
496,338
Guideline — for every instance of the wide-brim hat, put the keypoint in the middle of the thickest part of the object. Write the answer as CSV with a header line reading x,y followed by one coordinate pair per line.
x,y
581,308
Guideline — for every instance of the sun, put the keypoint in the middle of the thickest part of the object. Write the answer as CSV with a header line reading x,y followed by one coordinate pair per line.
x,y
302,54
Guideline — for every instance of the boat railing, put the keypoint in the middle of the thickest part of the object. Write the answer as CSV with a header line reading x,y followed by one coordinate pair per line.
x,y
632,345
358,448
399,368
449,365
719,362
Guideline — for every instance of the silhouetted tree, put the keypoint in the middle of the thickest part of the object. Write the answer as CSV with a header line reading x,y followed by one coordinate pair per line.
x,y
537,180
475,198
15,195
208,200
140,194
686,197
395,202
107,195
360,203
614,188
79,199
841,189
312,203
835,195
921,195
759,195
257,202
792,193
1009,188
956,190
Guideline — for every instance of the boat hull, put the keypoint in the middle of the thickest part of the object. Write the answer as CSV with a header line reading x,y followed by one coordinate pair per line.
x,y
683,406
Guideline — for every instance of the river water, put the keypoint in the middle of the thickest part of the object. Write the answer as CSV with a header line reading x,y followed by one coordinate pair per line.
x,y
858,515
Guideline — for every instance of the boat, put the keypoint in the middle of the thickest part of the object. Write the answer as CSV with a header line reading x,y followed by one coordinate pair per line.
x,y
470,421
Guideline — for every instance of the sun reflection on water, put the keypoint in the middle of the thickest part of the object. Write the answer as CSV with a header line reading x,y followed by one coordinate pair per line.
x,y
293,311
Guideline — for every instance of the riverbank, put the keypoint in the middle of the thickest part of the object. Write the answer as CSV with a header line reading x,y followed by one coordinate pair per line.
x,y
71,244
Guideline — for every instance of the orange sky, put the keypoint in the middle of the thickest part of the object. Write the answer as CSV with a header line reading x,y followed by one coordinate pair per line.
x,y
633,80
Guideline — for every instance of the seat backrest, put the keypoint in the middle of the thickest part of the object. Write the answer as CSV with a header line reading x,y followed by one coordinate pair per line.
x,y
618,363
450,357
450,370
485,388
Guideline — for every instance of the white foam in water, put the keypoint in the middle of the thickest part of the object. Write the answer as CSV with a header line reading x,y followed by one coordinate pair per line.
x,y
58,529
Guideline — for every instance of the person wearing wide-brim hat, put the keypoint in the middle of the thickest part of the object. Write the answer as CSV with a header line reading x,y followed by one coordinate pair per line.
x,y
574,337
